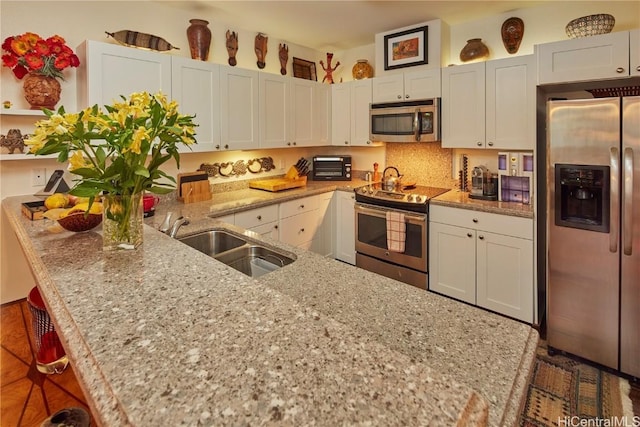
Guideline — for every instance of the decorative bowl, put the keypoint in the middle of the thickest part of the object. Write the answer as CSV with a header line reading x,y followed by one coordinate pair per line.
x,y
78,222
590,25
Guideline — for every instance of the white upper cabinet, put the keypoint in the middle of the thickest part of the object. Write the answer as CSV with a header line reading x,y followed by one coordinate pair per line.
x,y
350,113
239,95
302,112
634,52
490,104
407,86
511,103
196,88
322,114
463,106
275,111
111,70
590,58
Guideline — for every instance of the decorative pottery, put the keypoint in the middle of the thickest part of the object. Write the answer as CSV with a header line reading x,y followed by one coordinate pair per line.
x,y
512,32
283,56
591,25
199,37
122,222
41,91
474,50
362,70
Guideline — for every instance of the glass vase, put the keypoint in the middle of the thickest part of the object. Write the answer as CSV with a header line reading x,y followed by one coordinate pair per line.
x,y
122,225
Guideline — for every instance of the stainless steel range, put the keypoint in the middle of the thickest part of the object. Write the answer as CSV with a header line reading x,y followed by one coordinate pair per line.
x,y
374,209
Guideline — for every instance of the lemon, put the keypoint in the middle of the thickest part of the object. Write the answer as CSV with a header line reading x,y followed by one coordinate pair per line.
x,y
56,200
96,207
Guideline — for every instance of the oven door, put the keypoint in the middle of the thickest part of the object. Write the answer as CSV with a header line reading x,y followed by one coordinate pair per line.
x,y
371,237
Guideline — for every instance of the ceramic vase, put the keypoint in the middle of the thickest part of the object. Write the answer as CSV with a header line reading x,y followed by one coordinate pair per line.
x,y
362,70
474,50
41,91
122,226
199,37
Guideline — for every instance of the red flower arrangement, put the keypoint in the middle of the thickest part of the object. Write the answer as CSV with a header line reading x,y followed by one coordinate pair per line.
x,y
29,52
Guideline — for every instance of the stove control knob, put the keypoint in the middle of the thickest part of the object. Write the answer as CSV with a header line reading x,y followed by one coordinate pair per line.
x,y
410,198
371,190
363,190
418,199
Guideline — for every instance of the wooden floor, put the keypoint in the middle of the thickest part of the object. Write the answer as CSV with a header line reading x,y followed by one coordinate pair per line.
x,y
28,397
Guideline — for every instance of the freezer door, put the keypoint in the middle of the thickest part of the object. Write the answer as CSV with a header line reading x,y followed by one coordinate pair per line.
x,y
630,239
583,265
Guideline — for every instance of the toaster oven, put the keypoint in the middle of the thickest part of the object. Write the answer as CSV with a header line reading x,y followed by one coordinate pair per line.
x,y
332,168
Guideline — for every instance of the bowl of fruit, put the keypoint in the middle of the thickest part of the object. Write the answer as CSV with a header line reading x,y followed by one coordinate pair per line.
x,y
78,217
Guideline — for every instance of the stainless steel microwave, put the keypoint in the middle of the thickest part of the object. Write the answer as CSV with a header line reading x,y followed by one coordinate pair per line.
x,y
412,121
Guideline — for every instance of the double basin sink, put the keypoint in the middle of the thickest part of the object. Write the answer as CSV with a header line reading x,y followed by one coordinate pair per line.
x,y
237,251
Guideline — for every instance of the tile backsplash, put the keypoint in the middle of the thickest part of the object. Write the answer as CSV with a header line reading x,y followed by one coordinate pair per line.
x,y
425,163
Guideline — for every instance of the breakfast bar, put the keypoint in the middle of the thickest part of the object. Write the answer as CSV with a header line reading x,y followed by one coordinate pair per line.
x,y
165,335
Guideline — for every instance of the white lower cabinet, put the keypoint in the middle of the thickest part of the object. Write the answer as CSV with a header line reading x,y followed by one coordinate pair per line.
x,y
345,229
483,259
299,221
263,221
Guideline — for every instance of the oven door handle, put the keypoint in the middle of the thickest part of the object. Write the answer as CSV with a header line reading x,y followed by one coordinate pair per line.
x,y
382,212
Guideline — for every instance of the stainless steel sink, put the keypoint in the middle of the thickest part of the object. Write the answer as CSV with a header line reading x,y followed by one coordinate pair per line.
x,y
243,254
254,260
213,242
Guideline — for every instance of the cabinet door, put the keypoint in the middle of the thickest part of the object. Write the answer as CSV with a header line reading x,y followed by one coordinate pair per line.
x,y
590,58
257,217
634,52
511,103
299,229
505,275
110,70
195,86
463,106
323,243
452,261
322,114
388,88
302,112
422,84
341,114
270,230
274,112
345,235
239,106
360,101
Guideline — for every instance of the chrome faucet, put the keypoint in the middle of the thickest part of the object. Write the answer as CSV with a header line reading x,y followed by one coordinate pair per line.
x,y
177,224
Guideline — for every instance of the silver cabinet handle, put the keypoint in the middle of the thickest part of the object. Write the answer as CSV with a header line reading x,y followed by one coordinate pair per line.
x,y
627,202
469,235
218,147
399,96
275,226
481,237
638,68
302,230
259,217
346,142
619,70
475,220
490,144
479,144
226,146
407,96
614,200
301,206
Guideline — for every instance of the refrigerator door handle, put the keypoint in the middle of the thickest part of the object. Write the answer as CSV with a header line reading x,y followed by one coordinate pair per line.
x,y
614,200
627,202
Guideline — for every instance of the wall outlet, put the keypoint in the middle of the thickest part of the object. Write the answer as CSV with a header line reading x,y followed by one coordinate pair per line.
x,y
38,178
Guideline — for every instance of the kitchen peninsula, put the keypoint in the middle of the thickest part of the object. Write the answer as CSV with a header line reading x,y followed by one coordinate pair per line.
x,y
165,335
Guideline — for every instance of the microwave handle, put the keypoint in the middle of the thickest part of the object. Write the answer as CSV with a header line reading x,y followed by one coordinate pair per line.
x,y
416,125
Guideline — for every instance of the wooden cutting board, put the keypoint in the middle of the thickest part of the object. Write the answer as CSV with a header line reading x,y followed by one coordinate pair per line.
x,y
278,184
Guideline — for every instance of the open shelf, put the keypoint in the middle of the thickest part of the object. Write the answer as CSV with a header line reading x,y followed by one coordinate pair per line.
x,y
21,112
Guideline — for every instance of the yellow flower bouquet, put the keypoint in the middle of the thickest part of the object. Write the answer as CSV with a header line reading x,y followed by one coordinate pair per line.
x,y
117,153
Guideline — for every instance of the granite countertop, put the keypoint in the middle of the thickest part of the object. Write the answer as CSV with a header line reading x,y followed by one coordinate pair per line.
x,y
165,335
461,200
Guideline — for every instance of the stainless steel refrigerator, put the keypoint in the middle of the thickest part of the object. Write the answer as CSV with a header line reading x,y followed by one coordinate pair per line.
x,y
593,230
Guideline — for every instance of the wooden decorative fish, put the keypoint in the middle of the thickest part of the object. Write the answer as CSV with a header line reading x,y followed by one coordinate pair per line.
x,y
143,40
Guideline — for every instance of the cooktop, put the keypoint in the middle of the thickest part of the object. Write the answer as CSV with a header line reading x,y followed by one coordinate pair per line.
x,y
415,198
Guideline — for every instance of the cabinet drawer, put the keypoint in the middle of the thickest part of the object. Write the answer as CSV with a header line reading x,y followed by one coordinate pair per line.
x,y
256,217
298,229
495,223
294,207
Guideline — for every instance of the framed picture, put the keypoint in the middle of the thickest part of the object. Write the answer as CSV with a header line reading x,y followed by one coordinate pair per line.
x,y
304,69
406,48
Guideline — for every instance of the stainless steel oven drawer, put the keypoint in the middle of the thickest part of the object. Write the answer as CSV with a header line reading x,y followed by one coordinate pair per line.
x,y
393,271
